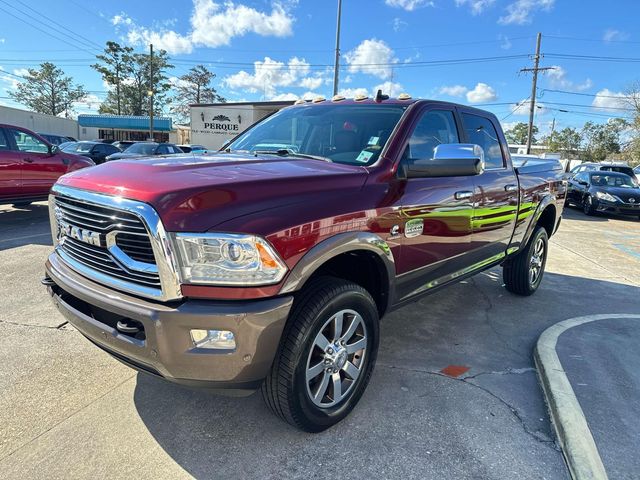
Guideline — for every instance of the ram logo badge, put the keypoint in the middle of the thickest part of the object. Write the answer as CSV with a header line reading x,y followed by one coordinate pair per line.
x,y
80,234
413,228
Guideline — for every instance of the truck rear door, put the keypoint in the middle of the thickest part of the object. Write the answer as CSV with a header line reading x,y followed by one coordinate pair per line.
x,y
496,191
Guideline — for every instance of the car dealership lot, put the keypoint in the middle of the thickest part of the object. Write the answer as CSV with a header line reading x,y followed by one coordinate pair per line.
x,y
69,410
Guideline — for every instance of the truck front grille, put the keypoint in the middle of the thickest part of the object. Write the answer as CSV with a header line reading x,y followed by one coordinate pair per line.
x,y
84,230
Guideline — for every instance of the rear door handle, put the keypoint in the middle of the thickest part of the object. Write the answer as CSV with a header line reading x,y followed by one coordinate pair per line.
x,y
463,195
511,188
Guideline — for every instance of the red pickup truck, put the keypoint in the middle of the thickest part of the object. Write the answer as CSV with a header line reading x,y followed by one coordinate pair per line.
x,y
30,165
270,264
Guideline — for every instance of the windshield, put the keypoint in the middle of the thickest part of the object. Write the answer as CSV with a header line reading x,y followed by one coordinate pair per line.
x,y
604,180
351,134
79,147
142,148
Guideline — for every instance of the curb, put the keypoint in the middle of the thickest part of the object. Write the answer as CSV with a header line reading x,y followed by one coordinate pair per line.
x,y
578,447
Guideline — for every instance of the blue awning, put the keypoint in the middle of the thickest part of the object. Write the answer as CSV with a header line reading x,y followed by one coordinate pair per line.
x,y
124,122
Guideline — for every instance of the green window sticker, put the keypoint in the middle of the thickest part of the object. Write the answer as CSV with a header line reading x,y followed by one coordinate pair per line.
x,y
373,141
364,156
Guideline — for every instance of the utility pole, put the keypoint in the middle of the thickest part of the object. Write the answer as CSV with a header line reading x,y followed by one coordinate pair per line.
x,y
532,107
336,65
150,92
553,129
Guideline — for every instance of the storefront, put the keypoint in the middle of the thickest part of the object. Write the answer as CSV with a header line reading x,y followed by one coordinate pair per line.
x,y
123,127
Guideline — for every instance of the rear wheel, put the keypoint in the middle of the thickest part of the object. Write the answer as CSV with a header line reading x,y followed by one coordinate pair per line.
x,y
523,273
588,206
326,356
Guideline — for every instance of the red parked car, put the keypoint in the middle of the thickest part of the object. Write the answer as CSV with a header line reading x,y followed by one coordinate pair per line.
x,y
29,165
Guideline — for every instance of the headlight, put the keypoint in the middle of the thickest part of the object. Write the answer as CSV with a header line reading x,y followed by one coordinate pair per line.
x,y
227,259
607,197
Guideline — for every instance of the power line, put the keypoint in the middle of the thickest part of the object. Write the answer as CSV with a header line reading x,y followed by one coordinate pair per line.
x,y
594,58
599,40
37,27
621,97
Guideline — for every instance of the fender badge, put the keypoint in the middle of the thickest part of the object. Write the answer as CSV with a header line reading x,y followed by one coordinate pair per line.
x,y
413,228
395,230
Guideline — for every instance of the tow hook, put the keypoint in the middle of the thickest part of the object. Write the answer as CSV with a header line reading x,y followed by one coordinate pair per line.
x,y
47,281
129,328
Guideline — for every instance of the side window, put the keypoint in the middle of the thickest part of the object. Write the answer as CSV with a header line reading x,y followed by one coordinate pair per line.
x,y
29,143
583,177
162,150
481,131
4,142
434,128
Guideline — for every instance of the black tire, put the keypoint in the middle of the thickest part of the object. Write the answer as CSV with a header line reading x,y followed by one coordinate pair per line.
x,y
285,390
588,205
21,204
516,270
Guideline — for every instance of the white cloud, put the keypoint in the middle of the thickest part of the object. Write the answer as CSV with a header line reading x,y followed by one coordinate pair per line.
x,y
353,92
613,35
389,88
2,40
476,6
521,12
21,72
212,25
398,24
523,107
558,79
453,90
270,74
608,99
292,96
373,57
481,93
409,5
506,43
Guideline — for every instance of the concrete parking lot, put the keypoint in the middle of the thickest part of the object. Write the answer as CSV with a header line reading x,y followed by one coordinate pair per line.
x,y
68,410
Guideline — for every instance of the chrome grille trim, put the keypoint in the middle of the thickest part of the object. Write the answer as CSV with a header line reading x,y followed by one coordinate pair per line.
x,y
138,270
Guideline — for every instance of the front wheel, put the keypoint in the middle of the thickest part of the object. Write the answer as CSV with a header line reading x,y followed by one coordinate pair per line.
x,y
326,356
588,206
523,273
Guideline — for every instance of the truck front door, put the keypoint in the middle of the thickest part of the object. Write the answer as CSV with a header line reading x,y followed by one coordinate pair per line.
x,y
10,169
496,192
435,213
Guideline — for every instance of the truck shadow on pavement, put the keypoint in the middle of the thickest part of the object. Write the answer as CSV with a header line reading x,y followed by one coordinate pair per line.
x,y
413,421
575,213
24,226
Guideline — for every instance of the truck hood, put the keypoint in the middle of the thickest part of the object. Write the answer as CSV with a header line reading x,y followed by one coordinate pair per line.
x,y
196,193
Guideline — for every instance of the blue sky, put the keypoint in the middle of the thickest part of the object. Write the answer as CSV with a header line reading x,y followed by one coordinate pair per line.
x,y
404,45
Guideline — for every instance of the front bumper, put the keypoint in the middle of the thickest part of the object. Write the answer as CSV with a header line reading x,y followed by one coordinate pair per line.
x,y
618,208
163,347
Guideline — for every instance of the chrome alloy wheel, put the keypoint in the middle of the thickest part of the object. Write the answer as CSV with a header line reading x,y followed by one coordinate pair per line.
x,y
336,358
537,259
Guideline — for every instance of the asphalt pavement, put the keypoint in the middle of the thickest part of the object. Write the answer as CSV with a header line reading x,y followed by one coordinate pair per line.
x,y
68,410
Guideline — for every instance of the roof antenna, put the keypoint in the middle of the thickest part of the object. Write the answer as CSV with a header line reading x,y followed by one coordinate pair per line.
x,y
380,96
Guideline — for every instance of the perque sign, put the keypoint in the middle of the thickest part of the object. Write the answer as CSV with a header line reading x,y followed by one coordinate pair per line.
x,y
219,123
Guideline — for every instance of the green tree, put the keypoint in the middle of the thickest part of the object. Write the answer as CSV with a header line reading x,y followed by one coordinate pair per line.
x,y
519,132
49,91
135,89
631,149
194,87
602,139
567,140
115,64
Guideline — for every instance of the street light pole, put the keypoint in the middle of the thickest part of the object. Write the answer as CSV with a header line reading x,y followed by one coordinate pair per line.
x,y
336,65
151,92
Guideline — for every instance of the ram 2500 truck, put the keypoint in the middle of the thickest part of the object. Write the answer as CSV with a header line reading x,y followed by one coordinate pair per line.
x,y
269,265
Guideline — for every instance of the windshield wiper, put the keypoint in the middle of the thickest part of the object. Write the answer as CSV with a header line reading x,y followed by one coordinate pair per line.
x,y
285,152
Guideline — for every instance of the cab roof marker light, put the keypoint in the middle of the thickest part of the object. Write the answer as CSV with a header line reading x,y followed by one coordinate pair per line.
x,y
359,98
337,98
404,96
319,99
299,102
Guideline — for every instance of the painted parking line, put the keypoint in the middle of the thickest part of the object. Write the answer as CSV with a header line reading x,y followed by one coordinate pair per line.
x,y
627,250
572,429
24,237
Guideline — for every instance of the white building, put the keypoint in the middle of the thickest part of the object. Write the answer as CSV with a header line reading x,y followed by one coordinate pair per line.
x,y
212,124
39,122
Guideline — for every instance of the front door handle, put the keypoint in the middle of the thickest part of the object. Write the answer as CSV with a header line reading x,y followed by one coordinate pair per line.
x,y
511,188
28,160
463,195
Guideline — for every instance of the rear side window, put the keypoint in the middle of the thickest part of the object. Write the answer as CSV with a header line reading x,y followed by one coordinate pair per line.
x,y
28,143
434,128
481,131
4,144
